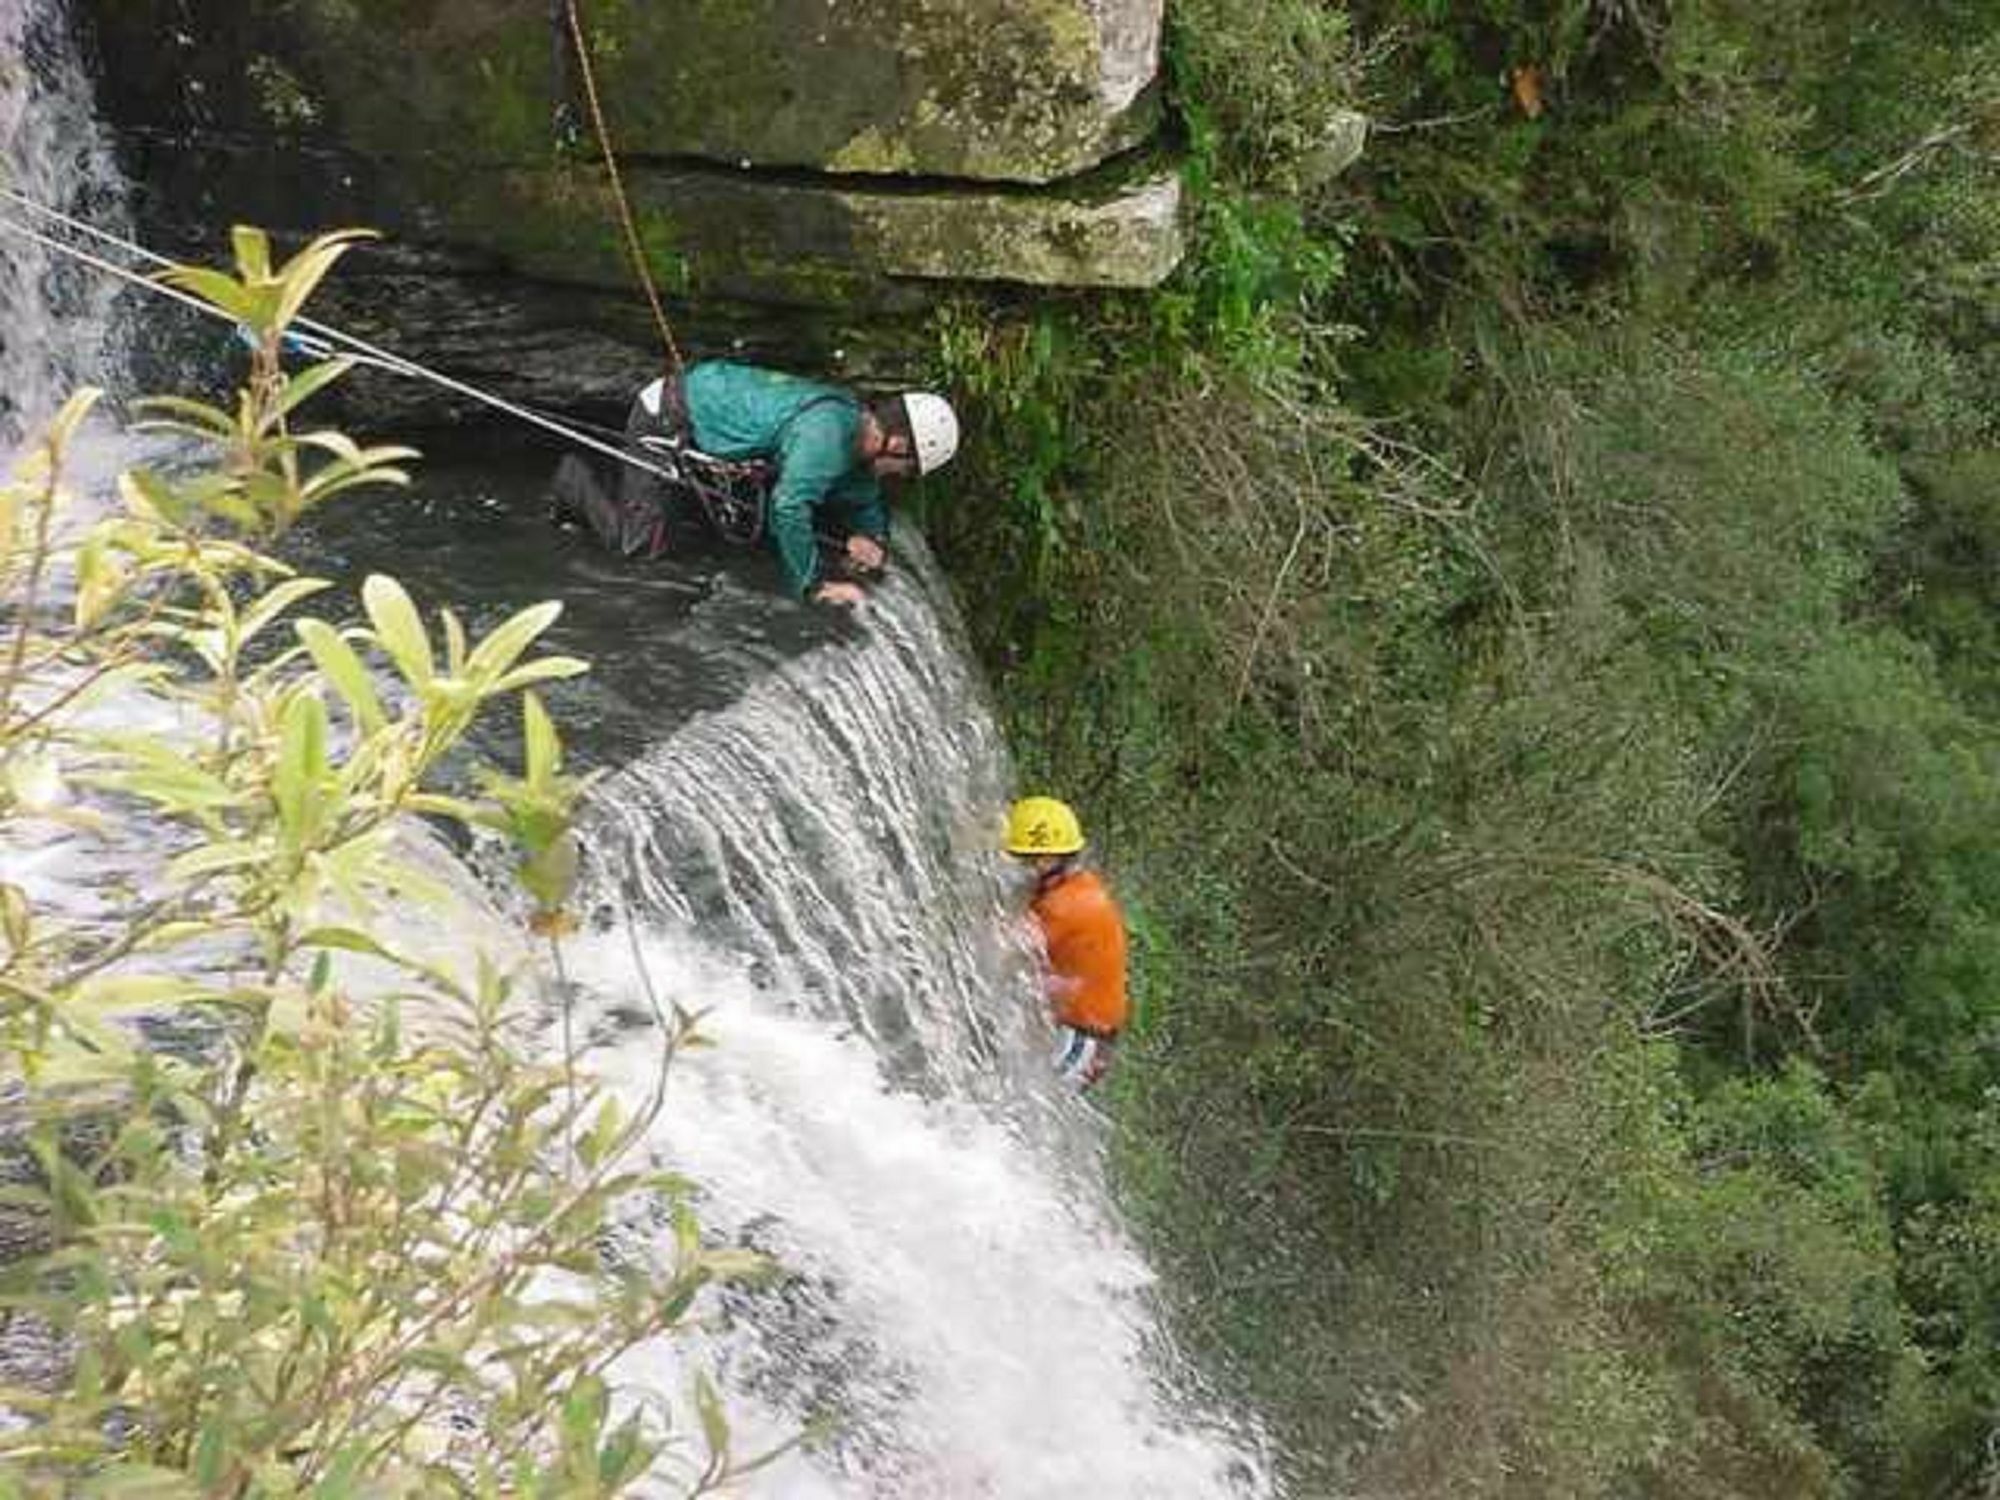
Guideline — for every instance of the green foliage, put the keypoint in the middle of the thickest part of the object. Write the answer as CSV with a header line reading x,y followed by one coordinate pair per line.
x,y
1262,88
357,1221
1551,807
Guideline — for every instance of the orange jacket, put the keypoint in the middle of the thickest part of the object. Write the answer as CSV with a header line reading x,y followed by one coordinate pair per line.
x,y
1084,933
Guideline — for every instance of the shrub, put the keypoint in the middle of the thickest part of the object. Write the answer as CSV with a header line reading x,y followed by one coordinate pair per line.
x,y
349,1243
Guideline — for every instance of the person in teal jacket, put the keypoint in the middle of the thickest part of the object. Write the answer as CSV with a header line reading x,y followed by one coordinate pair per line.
x,y
825,452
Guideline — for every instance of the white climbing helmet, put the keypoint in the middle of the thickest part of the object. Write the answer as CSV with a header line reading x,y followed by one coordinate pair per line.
x,y
933,429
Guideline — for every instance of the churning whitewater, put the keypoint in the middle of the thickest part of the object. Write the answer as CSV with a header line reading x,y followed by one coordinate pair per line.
x,y
814,867
809,861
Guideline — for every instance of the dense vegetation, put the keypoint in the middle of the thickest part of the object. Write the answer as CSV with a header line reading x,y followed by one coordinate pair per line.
x,y
288,1208
1520,618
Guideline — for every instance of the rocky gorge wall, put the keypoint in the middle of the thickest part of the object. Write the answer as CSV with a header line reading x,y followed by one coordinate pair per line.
x,y
805,173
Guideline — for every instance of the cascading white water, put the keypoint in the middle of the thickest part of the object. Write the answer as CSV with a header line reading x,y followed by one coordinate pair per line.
x,y
816,866
837,828
812,865
56,319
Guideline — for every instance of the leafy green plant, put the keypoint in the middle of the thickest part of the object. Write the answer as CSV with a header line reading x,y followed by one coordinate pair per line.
x,y
350,1242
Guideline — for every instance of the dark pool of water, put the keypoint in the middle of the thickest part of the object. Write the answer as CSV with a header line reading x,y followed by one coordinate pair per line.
x,y
666,639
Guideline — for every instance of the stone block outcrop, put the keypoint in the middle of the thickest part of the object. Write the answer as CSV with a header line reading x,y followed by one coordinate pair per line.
x,y
782,151
1025,91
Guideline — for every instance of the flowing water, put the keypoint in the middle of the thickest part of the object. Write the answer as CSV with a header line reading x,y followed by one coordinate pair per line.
x,y
793,834
56,319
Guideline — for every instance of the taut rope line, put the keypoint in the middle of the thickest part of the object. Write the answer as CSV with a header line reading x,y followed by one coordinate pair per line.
x,y
320,342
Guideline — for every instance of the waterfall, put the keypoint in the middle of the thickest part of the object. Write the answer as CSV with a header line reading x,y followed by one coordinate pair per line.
x,y
56,319
815,865
809,861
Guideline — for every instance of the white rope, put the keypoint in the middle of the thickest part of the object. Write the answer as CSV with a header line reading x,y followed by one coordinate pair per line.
x,y
359,350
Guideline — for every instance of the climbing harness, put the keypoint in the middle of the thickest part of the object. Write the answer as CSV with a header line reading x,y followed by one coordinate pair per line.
x,y
731,494
730,491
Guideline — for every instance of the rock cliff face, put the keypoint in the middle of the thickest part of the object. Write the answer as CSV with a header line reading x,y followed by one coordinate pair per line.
x,y
1020,91
827,164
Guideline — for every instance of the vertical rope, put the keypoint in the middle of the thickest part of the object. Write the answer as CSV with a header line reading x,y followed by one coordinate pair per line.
x,y
632,245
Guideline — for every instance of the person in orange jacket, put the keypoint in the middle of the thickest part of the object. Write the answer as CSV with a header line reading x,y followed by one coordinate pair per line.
x,y
1083,935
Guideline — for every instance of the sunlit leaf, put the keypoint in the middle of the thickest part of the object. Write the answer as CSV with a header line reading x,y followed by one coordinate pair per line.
x,y
185,415
100,581
63,425
252,249
454,640
398,627
275,602
348,940
542,748
116,994
16,917
542,669
213,859
311,380
304,271
502,647
219,290
708,1406
337,660
301,762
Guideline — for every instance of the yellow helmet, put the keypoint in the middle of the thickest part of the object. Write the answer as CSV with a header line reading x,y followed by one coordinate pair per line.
x,y
1042,825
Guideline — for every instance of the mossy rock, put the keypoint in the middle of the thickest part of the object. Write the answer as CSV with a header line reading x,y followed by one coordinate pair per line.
x,y
1020,90
807,244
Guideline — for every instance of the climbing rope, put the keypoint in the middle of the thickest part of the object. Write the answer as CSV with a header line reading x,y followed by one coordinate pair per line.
x,y
316,340
731,492
632,244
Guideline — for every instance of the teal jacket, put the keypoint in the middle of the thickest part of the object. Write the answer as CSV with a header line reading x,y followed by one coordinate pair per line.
x,y
811,432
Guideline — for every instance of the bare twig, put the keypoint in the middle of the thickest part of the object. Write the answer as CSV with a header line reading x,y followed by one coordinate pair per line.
x,y
1878,182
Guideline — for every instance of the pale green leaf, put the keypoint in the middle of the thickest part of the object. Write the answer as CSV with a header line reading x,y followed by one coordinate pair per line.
x,y
341,667
115,994
502,647
542,669
62,426
454,640
312,380
213,859
543,748
303,272
275,602
252,249
398,627
100,580
189,416
16,917
220,290
349,940
708,1406
301,761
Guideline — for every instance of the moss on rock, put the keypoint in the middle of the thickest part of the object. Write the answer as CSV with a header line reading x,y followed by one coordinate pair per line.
x,y
1023,90
801,244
